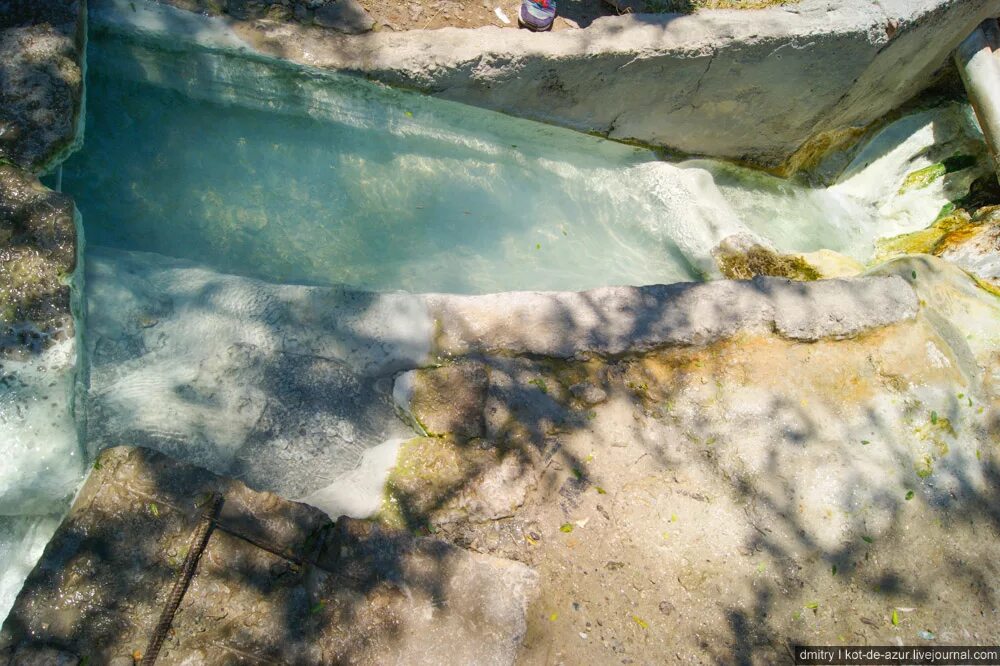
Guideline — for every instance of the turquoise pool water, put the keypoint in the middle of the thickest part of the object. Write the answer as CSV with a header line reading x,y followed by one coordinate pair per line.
x,y
344,182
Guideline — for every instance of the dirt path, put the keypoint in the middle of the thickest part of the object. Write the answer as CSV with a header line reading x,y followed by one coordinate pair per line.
x,y
399,15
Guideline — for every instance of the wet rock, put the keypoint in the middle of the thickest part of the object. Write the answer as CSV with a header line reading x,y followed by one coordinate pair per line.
x,y
971,242
38,436
41,82
347,16
830,264
37,253
347,593
977,248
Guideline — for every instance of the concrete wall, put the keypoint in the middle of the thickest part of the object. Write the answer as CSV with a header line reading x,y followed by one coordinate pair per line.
x,y
752,85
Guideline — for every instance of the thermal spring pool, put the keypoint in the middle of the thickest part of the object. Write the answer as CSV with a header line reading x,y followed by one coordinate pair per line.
x,y
256,232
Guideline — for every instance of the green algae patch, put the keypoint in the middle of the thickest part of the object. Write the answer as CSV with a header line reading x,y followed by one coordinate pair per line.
x,y
759,260
429,472
922,178
811,153
946,232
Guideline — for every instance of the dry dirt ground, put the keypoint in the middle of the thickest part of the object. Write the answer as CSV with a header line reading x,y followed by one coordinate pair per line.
x,y
433,14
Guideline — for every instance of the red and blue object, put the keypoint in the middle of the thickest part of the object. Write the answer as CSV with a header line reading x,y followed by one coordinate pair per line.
x,y
537,15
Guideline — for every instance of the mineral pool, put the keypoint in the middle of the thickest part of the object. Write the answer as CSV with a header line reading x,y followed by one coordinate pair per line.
x,y
227,200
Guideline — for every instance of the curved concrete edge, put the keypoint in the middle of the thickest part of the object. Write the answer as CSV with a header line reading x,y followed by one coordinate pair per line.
x,y
42,52
618,320
774,78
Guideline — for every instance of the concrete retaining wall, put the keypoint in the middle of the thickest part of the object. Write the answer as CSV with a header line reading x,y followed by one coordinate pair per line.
x,y
736,84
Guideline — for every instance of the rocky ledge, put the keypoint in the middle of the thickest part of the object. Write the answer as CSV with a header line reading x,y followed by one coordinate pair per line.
x,y
37,259
276,581
41,79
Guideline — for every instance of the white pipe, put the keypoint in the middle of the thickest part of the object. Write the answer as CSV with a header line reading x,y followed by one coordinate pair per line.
x,y
980,72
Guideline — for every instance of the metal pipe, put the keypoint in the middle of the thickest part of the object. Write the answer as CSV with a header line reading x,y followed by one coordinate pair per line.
x,y
980,72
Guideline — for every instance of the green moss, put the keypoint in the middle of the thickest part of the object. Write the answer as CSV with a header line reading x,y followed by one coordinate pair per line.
x,y
923,177
27,285
759,260
945,232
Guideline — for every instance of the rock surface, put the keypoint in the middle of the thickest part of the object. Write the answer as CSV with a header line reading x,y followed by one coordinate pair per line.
x,y
37,258
455,395
41,88
615,320
277,581
41,79
38,253
977,249
347,16
728,500
666,80
288,386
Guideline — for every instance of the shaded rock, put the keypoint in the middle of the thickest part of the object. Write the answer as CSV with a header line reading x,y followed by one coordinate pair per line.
x,y
277,581
524,406
612,320
37,256
445,400
347,16
41,81
439,480
588,393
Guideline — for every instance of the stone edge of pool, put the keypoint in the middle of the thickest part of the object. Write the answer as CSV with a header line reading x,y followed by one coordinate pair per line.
x,y
41,82
787,83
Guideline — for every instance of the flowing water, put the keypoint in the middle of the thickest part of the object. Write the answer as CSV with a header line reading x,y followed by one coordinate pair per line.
x,y
227,198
